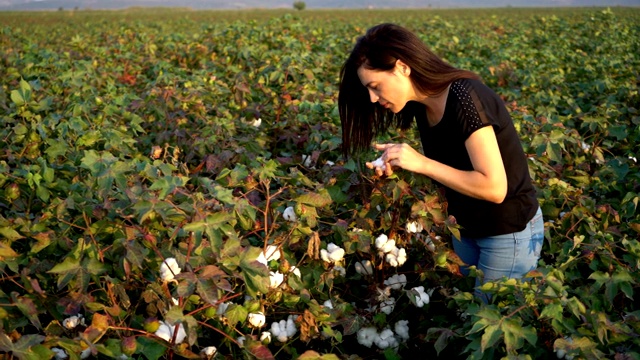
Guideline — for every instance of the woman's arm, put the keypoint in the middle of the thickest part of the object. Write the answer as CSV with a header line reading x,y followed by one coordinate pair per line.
x,y
487,181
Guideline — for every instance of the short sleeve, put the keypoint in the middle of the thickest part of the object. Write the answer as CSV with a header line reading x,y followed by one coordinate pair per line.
x,y
471,114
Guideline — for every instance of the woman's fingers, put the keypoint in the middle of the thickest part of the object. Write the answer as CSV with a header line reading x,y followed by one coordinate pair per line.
x,y
382,147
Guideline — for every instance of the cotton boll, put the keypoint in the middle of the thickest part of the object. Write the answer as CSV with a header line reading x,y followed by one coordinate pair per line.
x,y
389,246
421,298
414,227
340,270
272,253
381,241
332,254
367,335
401,256
379,164
59,353
275,279
386,339
289,214
265,337
294,270
209,351
388,305
164,331
306,160
222,308
169,269
257,122
241,340
181,335
337,255
324,255
256,320
402,329
392,260
291,328
364,267
328,304
73,321
85,353
396,282
279,330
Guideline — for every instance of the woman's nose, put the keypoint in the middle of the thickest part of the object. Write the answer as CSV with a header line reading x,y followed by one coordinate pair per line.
x,y
373,96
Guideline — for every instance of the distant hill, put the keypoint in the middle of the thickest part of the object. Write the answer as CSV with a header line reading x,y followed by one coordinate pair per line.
x,y
242,4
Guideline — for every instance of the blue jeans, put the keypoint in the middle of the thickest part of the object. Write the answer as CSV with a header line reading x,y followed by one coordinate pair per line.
x,y
509,255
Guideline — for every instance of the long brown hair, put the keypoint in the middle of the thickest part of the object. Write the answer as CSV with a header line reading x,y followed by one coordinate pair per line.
x,y
379,49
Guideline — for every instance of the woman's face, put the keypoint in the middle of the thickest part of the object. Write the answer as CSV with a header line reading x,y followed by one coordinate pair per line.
x,y
392,89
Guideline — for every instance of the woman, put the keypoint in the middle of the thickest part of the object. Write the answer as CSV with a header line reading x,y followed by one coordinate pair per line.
x,y
470,145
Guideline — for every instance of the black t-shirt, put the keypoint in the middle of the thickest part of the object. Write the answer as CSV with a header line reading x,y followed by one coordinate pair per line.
x,y
470,106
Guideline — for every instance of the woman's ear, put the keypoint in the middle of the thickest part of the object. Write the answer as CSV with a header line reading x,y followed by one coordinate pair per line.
x,y
402,68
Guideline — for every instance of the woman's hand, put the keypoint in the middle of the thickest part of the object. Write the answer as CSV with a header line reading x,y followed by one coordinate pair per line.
x,y
487,181
400,155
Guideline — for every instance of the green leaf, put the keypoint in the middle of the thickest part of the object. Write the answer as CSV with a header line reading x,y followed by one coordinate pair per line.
x,y
10,234
317,199
552,311
443,339
491,335
6,252
22,348
168,184
515,334
21,96
28,308
68,270
236,314
618,131
151,348
224,195
337,195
